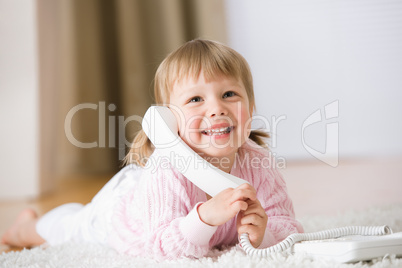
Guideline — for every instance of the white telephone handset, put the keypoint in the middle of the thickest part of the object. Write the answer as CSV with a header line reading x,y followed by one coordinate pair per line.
x,y
161,127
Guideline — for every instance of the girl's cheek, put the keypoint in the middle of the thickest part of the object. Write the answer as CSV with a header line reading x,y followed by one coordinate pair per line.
x,y
246,122
190,130
193,126
193,123
181,120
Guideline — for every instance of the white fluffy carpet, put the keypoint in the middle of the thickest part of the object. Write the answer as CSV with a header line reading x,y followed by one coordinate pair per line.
x,y
84,255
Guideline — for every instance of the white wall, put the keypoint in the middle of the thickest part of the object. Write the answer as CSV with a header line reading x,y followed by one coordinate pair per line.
x,y
307,54
18,100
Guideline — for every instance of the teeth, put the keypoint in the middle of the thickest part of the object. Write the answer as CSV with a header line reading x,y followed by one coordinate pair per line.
x,y
218,131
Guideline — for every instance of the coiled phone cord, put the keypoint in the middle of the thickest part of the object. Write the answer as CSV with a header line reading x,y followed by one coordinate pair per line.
x,y
297,237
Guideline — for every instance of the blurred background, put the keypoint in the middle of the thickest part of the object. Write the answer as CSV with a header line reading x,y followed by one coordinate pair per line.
x,y
76,78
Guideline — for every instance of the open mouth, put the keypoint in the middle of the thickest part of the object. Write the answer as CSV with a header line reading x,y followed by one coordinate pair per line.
x,y
217,131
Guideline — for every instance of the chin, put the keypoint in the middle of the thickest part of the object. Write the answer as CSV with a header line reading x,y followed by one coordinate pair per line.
x,y
213,152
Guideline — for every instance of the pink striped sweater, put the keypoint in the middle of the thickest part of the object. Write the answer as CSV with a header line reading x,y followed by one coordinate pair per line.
x,y
159,217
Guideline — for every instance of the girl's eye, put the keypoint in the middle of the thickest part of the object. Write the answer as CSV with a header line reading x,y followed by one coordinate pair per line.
x,y
229,94
195,99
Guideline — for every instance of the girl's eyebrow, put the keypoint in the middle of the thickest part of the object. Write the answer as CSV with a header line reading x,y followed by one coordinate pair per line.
x,y
188,93
191,90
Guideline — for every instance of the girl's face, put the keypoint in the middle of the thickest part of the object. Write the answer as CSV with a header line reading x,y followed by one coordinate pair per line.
x,y
214,116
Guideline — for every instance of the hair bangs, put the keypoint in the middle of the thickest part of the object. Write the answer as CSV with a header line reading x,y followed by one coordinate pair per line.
x,y
212,58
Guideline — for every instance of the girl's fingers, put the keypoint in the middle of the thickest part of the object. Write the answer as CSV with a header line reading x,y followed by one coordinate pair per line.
x,y
244,185
250,229
252,219
244,192
239,206
254,233
254,208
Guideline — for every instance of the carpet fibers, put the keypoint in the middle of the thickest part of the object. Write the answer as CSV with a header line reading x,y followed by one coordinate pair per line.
x,y
87,255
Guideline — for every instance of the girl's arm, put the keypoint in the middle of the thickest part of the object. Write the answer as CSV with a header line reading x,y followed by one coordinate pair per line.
x,y
173,223
188,234
160,220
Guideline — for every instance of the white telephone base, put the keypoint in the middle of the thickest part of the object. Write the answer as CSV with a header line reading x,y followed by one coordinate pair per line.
x,y
352,248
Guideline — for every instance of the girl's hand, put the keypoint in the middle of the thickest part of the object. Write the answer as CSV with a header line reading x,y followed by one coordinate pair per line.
x,y
225,205
253,221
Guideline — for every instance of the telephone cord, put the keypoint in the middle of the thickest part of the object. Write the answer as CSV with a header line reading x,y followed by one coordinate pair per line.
x,y
297,237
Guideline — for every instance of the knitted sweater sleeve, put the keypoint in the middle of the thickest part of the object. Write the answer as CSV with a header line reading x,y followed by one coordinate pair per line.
x,y
273,196
160,220
272,193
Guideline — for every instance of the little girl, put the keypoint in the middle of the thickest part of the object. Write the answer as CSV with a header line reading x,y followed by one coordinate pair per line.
x,y
149,208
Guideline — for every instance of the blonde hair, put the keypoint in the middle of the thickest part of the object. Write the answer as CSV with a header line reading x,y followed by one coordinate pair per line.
x,y
214,59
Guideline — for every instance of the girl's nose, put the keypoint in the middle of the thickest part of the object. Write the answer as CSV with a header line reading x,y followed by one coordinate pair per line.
x,y
217,109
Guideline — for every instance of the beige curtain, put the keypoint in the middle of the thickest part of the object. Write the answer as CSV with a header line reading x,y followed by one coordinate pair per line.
x,y
97,62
